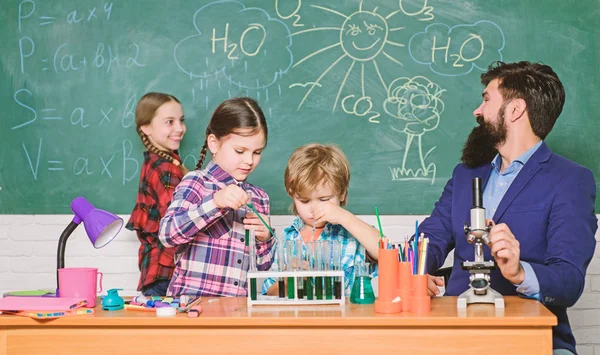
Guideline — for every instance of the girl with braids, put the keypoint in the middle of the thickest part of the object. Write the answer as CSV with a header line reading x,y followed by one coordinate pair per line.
x,y
160,124
209,215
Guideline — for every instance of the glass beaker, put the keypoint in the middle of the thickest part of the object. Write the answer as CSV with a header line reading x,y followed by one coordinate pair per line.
x,y
362,290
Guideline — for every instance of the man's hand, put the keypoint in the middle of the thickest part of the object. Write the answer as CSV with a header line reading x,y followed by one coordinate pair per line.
x,y
506,250
432,285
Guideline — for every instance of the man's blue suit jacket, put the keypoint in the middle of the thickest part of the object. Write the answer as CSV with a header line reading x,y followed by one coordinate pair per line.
x,y
549,208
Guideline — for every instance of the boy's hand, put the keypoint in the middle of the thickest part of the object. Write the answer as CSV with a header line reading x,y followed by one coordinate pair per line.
x,y
303,264
329,212
231,196
253,222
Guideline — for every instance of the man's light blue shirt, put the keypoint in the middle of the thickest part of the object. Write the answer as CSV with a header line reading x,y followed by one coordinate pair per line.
x,y
496,188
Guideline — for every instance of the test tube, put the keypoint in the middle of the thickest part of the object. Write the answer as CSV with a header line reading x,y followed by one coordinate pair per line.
x,y
319,266
251,244
289,253
337,265
299,266
281,265
327,262
310,257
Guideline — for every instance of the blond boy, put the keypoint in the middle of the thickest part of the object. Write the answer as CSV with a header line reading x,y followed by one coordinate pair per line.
x,y
317,179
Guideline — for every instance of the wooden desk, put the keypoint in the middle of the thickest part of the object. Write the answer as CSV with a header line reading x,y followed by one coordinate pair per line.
x,y
228,326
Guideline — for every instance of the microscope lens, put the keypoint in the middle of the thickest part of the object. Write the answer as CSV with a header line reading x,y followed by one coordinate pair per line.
x,y
479,284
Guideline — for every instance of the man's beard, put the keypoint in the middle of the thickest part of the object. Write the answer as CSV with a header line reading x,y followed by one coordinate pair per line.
x,y
481,145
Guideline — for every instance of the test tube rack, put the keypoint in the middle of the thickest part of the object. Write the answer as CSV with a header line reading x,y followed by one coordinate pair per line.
x,y
276,300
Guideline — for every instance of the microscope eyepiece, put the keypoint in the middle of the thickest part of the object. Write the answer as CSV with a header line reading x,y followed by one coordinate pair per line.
x,y
477,193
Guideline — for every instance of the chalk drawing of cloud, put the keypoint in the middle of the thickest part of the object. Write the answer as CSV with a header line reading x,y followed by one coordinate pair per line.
x,y
453,51
243,45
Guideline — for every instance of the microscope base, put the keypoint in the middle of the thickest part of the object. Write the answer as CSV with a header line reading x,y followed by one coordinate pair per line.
x,y
468,297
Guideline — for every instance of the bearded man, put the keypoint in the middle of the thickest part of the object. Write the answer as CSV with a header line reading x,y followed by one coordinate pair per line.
x,y
540,204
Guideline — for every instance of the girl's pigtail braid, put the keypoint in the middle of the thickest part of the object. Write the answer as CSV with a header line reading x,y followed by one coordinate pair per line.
x,y
202,155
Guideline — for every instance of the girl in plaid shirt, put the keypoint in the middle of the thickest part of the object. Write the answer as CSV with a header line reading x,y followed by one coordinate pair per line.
x,y
209,215
160,124
317,179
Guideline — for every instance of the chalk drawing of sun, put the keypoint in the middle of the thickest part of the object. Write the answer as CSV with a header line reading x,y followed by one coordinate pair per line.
x,y
364,37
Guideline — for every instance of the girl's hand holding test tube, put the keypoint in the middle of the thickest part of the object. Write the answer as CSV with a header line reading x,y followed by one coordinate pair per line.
x,y
253,222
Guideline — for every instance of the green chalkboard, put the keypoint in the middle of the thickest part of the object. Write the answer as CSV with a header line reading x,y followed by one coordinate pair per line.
x,y
326,71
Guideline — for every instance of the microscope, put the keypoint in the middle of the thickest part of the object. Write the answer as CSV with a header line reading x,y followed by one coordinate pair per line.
x,y
478,234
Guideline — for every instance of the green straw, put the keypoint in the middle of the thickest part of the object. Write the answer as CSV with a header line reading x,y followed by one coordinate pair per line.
x,y
262,220
379,222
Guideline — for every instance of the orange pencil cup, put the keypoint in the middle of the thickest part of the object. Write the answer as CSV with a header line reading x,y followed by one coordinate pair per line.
x,y
387,302
420,302
405,284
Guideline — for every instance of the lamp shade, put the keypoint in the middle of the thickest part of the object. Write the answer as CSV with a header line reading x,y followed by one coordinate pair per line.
x,y
100,226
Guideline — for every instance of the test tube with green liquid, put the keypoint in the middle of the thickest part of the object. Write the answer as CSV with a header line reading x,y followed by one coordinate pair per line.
x,y
289,253
281,266
299,266
250,240
310,258
337,262
327,261
251,244
320,267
